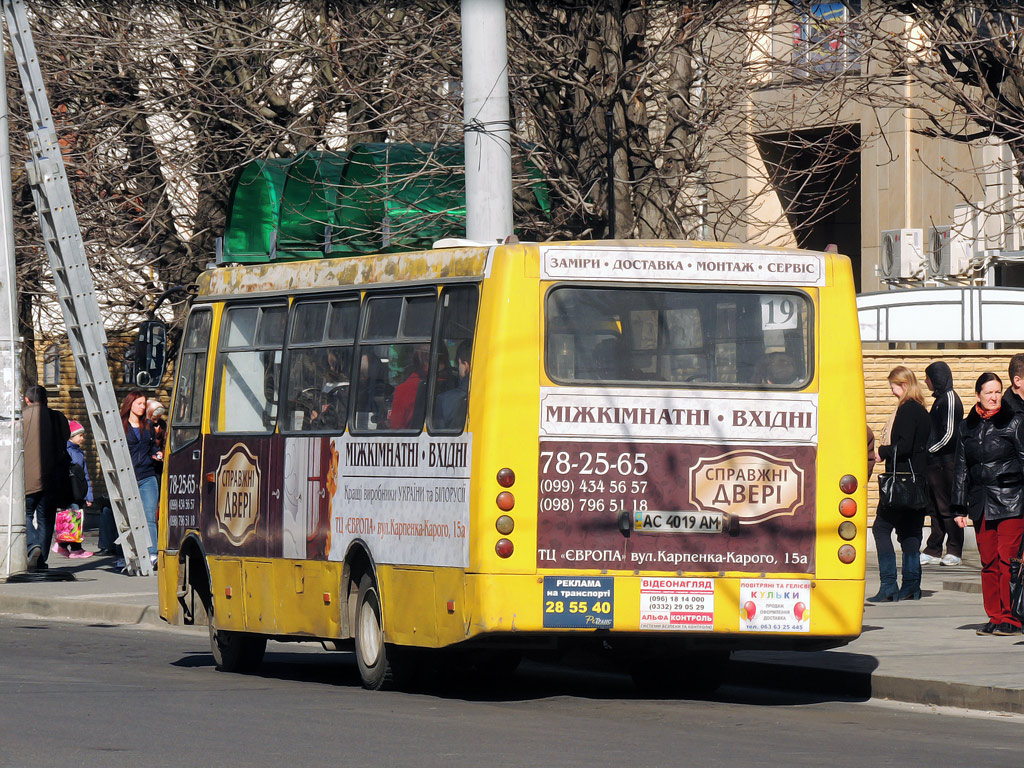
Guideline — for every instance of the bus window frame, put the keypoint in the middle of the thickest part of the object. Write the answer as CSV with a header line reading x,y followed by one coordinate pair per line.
x,y
265,302
198,425
812,350
407,292
431,396
351,294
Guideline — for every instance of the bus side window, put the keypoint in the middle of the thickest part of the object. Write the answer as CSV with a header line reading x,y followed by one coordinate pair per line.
x,y
453,362
187,411
248,369
319,365
394,359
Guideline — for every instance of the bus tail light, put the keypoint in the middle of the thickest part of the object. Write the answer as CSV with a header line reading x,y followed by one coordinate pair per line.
x,y
847,530
847,554
847,507
506,477
505,525
504,548
505,501
848,484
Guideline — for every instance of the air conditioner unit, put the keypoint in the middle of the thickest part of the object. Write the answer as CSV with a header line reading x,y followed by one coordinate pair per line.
x,y
949,252
902,254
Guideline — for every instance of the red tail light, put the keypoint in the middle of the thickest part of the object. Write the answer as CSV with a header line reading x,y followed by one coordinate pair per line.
x,y
848,484
504,548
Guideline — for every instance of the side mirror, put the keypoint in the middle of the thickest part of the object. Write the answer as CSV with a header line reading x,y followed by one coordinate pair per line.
x,y
150,353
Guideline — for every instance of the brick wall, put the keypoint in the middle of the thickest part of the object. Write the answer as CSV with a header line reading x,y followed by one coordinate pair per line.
x,y
966,364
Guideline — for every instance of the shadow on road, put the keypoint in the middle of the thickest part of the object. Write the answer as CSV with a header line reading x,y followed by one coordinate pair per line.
x,y
765,683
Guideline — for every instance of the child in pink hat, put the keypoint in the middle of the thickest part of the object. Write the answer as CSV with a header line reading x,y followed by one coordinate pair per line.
x,y
78,467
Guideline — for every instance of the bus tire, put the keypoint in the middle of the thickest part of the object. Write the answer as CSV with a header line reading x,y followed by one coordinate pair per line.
x,y
234,651
375,658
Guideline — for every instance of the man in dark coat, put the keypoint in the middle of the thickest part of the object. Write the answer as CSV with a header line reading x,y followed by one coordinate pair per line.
x,y
45,432
946,413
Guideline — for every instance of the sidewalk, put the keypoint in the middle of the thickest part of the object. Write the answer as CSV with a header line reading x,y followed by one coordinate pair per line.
x,y
923,651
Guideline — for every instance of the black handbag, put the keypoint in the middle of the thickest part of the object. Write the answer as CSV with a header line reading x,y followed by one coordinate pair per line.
x,y
901,491
1017,583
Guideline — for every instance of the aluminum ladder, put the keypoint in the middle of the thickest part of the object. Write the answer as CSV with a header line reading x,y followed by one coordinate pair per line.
x,y
76,294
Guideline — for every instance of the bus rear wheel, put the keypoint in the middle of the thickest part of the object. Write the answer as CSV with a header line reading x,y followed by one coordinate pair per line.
x,y
382,666
234,651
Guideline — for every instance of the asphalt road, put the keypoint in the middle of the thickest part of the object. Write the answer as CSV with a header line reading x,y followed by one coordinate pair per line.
x,y
89,695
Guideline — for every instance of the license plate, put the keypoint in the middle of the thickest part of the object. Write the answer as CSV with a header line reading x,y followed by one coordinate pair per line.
x,y
678,522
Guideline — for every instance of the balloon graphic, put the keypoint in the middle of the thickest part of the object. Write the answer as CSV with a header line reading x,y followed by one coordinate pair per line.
x,y
749,609
800,610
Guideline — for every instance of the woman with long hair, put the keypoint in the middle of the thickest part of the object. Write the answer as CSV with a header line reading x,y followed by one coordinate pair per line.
x,y
988,489
904,449
145,455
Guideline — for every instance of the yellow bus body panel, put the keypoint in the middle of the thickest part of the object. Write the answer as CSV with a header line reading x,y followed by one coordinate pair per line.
x,y
440,606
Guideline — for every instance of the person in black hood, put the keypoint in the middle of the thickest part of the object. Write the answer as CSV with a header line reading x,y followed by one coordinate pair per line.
x,y
946,414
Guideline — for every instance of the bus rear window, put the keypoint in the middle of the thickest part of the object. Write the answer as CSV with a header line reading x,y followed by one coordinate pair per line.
x,y
684,337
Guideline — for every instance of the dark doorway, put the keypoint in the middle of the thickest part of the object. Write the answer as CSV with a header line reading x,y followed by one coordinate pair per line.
x,y
816,173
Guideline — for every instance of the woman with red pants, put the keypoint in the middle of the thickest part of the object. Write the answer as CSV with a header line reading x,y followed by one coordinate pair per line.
x,y
988,488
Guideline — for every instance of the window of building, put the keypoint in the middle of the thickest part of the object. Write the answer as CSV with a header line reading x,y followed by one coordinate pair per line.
x,y
51,366
825,38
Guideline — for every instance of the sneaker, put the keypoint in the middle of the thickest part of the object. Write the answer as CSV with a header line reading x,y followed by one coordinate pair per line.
x,y
929,560
1006,628
33,558
986,630
948,559
80,554
59,549
120,564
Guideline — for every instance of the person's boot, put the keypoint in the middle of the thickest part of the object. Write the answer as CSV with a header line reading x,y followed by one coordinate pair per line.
x,y
888,590
911,589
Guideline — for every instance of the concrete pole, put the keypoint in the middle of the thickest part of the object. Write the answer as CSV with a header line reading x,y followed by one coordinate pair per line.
x,y
486,121
13,558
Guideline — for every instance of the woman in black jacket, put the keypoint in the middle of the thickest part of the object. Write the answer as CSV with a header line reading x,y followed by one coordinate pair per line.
x,y
905,450
988,488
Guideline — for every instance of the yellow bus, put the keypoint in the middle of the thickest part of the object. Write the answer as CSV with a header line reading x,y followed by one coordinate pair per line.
x,y
654,448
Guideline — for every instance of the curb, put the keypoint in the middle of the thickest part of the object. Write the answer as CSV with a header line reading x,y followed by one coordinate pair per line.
x,y
865,685
88,610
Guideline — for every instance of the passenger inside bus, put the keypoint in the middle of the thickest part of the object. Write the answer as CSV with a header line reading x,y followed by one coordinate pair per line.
x,y
450,406
778,369
407,405
372,390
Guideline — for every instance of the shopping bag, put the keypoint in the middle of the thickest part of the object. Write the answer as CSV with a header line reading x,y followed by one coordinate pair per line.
x,y
68,527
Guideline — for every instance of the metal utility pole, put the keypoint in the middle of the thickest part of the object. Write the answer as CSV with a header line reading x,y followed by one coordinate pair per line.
x,y
486,121
77,296
12,471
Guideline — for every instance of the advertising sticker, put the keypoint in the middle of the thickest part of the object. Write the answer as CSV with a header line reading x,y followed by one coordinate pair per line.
x,y
579,602
680,604
407,497
775,606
